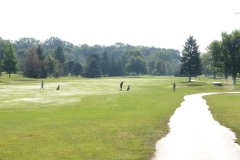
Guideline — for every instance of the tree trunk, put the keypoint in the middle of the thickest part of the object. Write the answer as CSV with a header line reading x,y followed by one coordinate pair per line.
x,y
9,75
234,80
234,75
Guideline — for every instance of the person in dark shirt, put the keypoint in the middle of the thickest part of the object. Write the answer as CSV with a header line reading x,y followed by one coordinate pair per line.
x,y
121,85
174,86
42,85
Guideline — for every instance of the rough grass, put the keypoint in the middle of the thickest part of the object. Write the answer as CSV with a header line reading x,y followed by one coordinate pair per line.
x,y
89,118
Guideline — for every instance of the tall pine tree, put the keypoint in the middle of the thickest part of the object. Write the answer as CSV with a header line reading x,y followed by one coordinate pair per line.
x,y
32,65
93,67
190,60
60,57
41,57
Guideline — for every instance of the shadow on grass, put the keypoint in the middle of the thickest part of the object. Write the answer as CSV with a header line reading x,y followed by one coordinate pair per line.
x,y
193,83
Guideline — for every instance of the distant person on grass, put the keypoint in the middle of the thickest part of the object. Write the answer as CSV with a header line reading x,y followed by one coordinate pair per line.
x,y
58,88
121,85
174,86
42,85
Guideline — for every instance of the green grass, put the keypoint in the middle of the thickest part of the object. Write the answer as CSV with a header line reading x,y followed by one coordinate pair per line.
x,y
225,109
90,118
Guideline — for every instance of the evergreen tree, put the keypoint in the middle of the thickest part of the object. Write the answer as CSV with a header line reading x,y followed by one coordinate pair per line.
x,y
105,64
93,66
60,57
9,60
40,53
41,57
190,60
32,66
77,69
70,65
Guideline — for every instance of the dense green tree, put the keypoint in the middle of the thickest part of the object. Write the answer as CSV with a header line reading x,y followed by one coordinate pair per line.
x,y
137,65
190,60
60,71
207,63
25,43
41,57
105,66
79,57
126,56
53,42
59,55
151,67
39,51
3,45
77,69
9,60
217,64
160,68
170,67
32,67
70,65
51,65
93,66
85,50
226,53
79,53
112,70
70,56
119,70
21,55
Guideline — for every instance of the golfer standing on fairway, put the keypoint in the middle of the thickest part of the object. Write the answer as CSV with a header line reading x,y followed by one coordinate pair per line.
x,y
42,85
174,86
121,85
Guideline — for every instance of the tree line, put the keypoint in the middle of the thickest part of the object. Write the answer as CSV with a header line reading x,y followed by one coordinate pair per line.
x,y
223,56
56,57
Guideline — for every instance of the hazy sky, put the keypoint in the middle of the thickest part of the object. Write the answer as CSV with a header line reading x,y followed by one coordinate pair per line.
x,y
159,23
